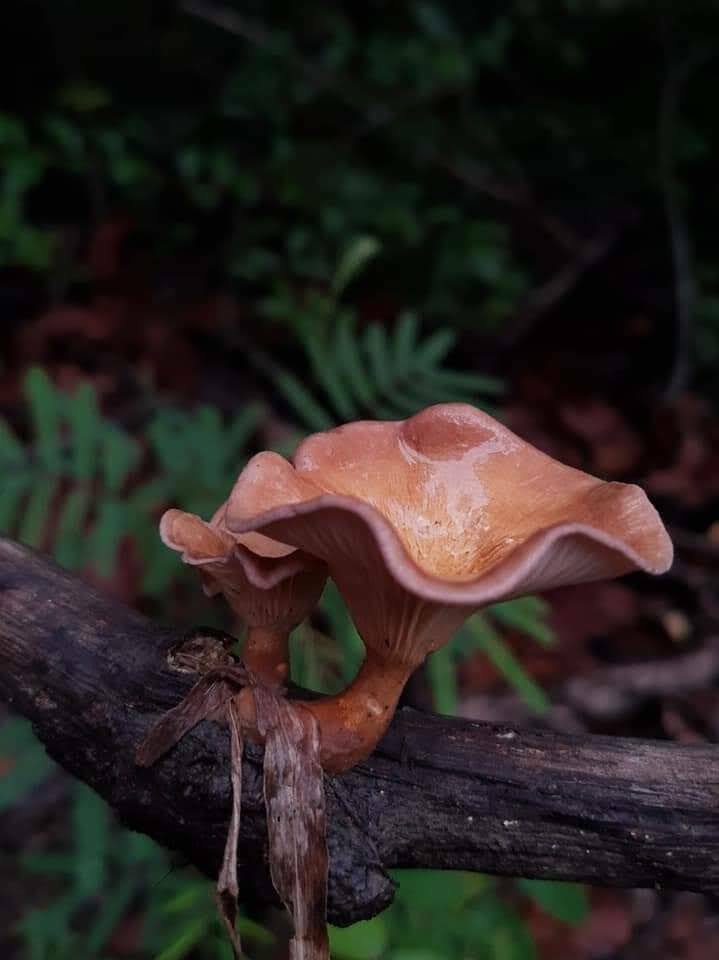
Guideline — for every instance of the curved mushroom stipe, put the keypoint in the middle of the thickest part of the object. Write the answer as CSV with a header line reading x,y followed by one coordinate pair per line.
x,y
349,723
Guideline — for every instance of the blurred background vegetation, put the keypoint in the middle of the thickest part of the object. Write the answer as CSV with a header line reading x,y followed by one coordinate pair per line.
x,y
225,226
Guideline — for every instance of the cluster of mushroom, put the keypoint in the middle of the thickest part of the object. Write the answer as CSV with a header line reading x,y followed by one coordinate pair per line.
x,y
419,523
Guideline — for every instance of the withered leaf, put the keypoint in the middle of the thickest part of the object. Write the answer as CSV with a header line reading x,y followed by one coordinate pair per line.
x,y
206,699
296,822
227,883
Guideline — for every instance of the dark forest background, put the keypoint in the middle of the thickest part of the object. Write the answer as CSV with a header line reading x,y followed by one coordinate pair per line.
x,y
225,226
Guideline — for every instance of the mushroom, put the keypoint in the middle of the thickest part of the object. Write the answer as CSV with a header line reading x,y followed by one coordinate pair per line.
x,y
270,586
420,523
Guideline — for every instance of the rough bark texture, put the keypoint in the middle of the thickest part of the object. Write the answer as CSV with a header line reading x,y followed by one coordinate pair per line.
x,y
92,675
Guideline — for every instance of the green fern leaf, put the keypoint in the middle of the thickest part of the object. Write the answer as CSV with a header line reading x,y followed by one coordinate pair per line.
x,y
37,511
490,642
119,456
239,433
378,352
350,362
442,676
353,261
70,534
468,384
400,400
388,376
83,418
13,491
423,392
434,349
109,529
169,444
12,452
527,614
203,433
45,405
312,414
343,630
327,372
405,340
147,496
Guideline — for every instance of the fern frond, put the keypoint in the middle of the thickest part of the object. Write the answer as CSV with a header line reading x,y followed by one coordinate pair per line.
x,y
528,616
406,333
353,261
375,373
110,527
119,456
45,412
67,487
70,532
480,634
83,420
327,370
14,490
300,399
358,381
37,509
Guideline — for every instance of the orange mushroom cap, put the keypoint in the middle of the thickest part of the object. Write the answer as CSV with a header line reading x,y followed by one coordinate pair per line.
x,y
423,521
267,584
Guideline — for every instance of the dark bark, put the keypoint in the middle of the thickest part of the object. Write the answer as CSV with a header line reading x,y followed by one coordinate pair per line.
x,y
92,676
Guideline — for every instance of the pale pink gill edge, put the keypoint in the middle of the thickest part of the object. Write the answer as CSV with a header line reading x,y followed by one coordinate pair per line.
x,y
264,573
498,583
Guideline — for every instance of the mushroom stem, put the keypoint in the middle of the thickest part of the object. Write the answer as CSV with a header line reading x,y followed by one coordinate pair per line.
x,y
266,654
351,722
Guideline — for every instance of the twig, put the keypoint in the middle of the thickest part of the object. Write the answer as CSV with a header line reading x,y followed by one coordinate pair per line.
x,y
92,676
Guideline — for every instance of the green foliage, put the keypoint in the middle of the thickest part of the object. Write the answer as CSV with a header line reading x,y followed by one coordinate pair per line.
x,y
424,133
75,466
526,615
438,916
373,372
28,765
82,484
563,901
241,161
187,908
449,916
101,871
443,130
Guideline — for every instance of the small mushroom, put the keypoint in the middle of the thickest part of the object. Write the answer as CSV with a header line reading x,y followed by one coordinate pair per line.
x,y
270,586
420,523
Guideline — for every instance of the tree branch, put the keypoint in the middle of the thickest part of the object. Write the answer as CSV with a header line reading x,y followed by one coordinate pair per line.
x,y
92,675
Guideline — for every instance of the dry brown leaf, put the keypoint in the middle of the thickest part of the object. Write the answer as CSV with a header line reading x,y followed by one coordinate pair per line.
x,y
206,699
296,821
227,883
